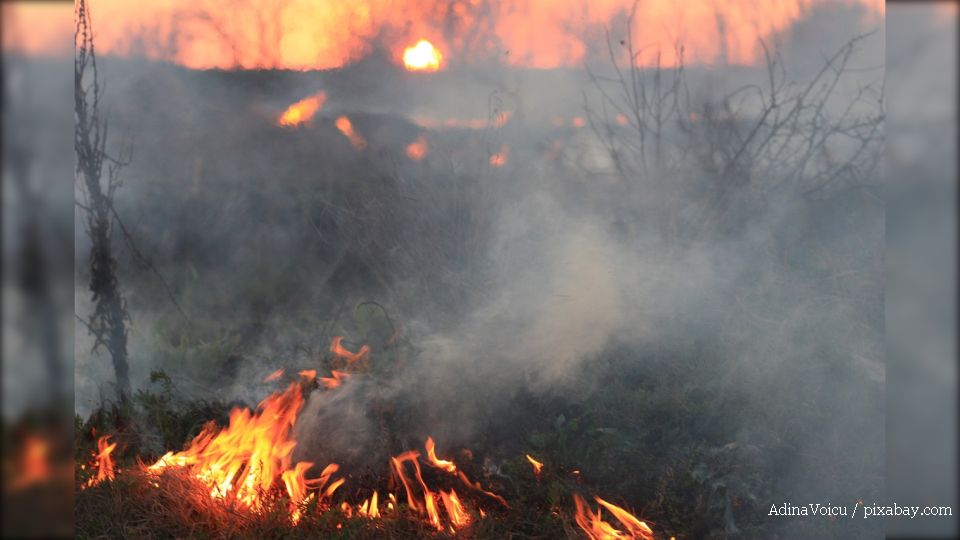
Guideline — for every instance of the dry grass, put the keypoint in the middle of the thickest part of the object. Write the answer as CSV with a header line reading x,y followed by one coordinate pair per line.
x,y
174,505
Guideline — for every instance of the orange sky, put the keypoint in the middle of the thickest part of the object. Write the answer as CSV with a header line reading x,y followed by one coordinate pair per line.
x,y
314,34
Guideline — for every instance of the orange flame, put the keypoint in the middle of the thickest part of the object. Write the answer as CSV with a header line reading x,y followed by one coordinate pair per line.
x,y
308,374
334,381
542,34
455,510
634,526
336,347
417,150
273,376
537,466
302,111
598,529
500,158
369,507
104,461
438,463
251,455
422,56
34,462
346,127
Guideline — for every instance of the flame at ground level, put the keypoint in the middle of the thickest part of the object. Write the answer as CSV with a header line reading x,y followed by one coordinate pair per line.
x,y
33,463
346,127
598,529
537,466
105,465
302,111
248,463
499,159
417,150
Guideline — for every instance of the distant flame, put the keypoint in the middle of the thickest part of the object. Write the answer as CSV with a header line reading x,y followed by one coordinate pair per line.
x,y
346,127
500,158
302,111
417,150
541,34
422,56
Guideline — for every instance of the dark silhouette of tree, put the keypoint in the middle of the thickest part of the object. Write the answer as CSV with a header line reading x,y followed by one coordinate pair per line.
x,y
108,322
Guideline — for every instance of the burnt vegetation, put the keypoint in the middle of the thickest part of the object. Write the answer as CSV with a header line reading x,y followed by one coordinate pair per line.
x,y
750,223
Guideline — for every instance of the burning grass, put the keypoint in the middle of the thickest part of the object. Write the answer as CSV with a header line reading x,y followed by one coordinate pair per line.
x,y
240,481
564,480
174,504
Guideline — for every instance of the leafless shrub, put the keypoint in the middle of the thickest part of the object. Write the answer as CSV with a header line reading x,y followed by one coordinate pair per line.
x,y
108,322
718,161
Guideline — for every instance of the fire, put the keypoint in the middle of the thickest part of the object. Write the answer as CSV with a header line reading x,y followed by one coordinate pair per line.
x,y
336,379
250,459
302,111
336,347
500,158
432,457
427,504
455,510
422,56
369,507
543,35
578,122
105,464
349,359
273,376
346,127
598,529
251,455
537,466
33,463
634,526
417,150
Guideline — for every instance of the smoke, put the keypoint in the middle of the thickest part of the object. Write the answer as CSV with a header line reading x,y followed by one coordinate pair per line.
x,y
580,268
